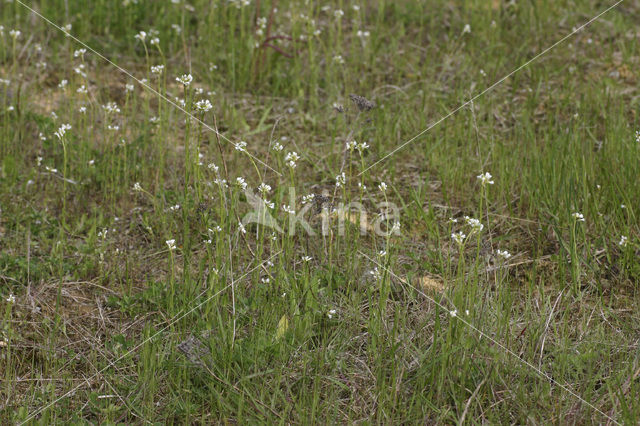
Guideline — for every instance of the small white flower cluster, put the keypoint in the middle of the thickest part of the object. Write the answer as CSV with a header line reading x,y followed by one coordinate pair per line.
x,y
137,187
277,147
291,159
338,59
638,136
341,180
623,241
375,273
111,108
331,313
171,244
579,217
382,187
15,34
261,23
288,209
62,130
475,224
241,183
458,237
63,83
504,254
351,145
204,105
241,146
157,69
264,188
79,53
362,146
485,178
308,198
185,79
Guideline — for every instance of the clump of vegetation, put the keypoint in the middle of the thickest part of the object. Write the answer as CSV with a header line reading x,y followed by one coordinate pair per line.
x,y
260,211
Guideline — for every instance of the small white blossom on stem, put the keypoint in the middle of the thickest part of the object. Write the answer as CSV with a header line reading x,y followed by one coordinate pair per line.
x,y
485,178
171,244
504,254
11,298
458,237
185,79
578,216
623,241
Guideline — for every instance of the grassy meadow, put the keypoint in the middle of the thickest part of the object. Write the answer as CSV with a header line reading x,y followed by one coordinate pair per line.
x,y
290,212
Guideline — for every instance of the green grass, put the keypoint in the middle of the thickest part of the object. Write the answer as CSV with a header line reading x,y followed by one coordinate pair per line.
x,y
288,327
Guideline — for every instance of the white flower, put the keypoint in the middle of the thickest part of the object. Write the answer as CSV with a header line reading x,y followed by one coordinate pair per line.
x,y
355,7
375,273
137,187
351,145
291,158
331,313
80,52
307,198
111,108
264,188
382,253
142,36
338,59
185,79
171,244
92,162
174,208
363,34
458,237
213,167
504,254
288,209
157,69
277,147
242,228
485,178
338,13
129,87
578,216
362,146
638,136
453,313
11,298
623,241
204,105
154,41
241,146
82,110
466,29
67,28
177,28
475,224
63,83
395,228
15,33
154,120
62,130
307,259
622,206
341,180
265,280
382,187
241,183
